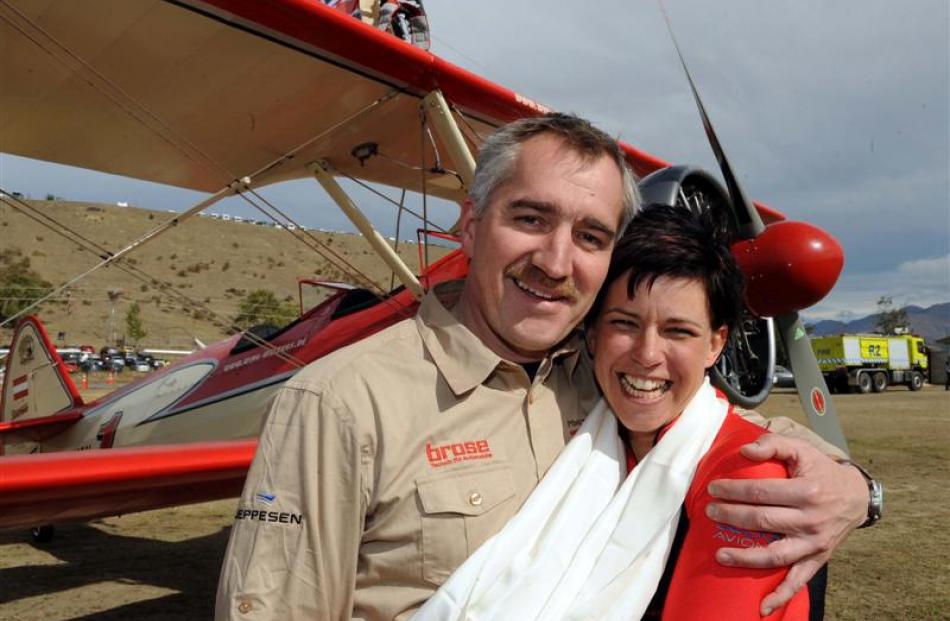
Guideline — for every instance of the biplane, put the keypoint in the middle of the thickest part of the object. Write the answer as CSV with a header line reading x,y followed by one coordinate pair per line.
x,y
226,97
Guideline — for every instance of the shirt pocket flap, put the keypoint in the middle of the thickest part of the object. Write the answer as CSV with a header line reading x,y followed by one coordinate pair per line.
x,y
469,492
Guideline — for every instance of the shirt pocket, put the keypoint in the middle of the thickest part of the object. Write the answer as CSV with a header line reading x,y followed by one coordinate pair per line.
x,y
460,510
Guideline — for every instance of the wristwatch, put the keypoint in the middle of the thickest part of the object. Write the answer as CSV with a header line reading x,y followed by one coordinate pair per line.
x,y
875,493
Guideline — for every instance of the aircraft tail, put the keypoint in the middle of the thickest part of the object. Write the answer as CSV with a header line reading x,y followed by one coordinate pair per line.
x,y
36,386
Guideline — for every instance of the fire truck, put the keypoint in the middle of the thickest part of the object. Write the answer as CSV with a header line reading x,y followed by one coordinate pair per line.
x,y
871,362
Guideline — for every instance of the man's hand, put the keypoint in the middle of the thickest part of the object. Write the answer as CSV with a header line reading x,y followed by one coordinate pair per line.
x,y
816,509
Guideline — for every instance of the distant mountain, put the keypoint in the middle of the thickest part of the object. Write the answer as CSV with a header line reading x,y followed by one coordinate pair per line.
x,y
932,323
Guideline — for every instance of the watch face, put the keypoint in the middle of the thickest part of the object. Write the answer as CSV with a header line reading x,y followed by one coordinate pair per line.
x,y
877,493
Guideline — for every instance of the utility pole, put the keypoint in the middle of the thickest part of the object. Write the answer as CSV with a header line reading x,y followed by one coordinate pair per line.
x,y
114,295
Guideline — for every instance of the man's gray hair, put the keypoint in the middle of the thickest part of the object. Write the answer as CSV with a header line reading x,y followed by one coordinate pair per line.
x,y
496,158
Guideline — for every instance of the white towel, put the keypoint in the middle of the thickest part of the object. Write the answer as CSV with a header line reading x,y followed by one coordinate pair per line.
x,y
589,543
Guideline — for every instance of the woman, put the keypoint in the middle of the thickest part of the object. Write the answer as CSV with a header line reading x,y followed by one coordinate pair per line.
x,y
617,527
673,294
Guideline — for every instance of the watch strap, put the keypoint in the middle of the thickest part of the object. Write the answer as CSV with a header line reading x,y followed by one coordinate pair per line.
x,y
875,494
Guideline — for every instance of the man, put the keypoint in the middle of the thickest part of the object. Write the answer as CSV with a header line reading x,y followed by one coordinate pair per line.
x,y
390,461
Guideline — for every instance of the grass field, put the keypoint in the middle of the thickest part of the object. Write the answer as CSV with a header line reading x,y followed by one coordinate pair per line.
x,y
163,565
900,569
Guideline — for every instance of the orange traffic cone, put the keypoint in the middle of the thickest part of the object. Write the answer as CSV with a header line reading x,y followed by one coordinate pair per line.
x,y
84,384
111,379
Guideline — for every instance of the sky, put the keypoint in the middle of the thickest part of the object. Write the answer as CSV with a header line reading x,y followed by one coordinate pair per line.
x,y
835,113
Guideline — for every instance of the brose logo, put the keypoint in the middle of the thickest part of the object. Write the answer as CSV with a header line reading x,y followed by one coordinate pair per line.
x,y
454,452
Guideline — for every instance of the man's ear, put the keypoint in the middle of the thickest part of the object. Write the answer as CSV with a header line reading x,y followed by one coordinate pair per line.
x,y
469,226
716,342
590,336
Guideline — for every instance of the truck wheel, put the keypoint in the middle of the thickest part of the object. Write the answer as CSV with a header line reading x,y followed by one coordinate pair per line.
x,y
916,381
879,381
42,534
864,383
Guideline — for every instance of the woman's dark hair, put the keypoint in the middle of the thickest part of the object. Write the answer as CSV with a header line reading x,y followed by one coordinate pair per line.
x,y
672,241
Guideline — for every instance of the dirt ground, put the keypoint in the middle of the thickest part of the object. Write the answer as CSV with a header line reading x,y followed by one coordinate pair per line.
x,y
164,564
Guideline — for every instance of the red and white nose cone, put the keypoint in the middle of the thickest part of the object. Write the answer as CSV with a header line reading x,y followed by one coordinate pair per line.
x,y
790,266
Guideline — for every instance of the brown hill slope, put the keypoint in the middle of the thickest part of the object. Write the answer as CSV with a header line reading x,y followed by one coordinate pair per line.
x,y
211,261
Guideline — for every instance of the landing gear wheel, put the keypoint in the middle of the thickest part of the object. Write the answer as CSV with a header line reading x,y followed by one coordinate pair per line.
x,y
879,382
43,534
916,381
864,383
745,369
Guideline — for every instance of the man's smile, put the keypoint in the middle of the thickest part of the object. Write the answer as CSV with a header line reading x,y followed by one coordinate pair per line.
x,y
550,297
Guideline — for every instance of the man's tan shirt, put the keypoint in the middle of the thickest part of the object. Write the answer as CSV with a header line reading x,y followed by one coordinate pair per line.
x,y
383,466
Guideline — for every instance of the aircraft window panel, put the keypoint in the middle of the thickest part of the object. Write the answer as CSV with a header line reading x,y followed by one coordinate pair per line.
x,y
159,394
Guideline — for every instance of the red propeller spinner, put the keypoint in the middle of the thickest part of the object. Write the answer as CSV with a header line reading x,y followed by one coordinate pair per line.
x,y
788,267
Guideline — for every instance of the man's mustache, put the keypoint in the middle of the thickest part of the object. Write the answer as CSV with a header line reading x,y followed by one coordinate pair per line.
x,y
533,277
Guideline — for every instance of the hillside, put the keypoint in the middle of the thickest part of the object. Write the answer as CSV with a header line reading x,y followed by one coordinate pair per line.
x,y
932,323
211,261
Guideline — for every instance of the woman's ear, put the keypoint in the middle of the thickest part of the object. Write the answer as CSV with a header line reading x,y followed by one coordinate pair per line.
x,y
717,341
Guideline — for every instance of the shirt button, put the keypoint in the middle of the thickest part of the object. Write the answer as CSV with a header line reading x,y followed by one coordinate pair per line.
x,y
244,607
475,499
531,398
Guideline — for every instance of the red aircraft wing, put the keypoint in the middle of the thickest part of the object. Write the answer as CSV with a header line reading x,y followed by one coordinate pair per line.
x,y
197,94
75,486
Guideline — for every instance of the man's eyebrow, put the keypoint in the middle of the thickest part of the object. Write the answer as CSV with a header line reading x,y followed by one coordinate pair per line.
x,y
527,203
597,225
547,208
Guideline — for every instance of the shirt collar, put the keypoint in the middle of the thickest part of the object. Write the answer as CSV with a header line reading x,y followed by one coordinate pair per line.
x,y
461,357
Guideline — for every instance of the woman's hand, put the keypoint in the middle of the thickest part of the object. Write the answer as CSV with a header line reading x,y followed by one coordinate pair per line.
x,y
816,509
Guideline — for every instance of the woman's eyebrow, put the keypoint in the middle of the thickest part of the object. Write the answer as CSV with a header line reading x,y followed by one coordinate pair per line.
x,y
621,311
634,315
684,320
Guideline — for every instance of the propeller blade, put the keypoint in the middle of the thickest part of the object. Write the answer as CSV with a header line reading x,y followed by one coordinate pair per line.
x,y
812,389
749,223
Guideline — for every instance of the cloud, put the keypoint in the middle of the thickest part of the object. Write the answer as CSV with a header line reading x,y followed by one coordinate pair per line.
x,y
814,103
921,282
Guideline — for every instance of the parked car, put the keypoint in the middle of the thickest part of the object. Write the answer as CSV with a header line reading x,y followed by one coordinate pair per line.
x,y
115,363
70,360
783,378
92,364
152,361
138,364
